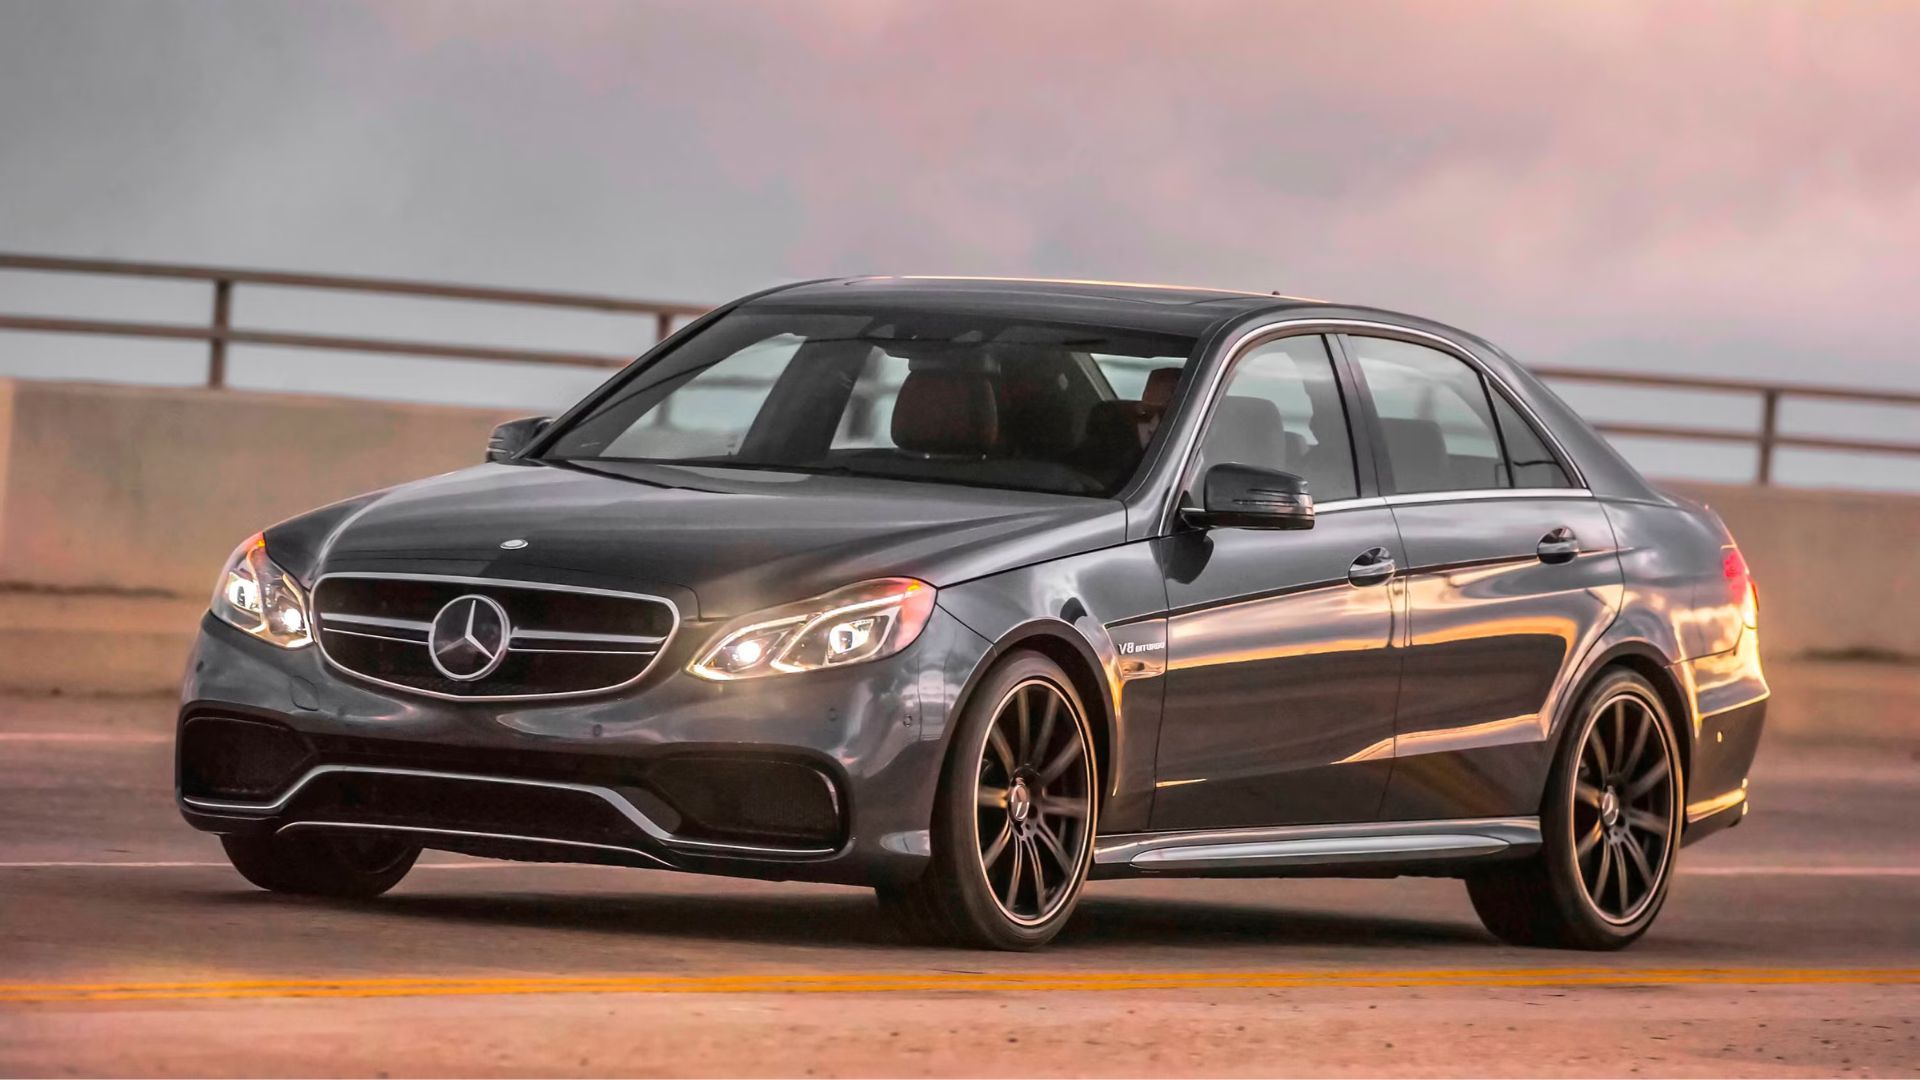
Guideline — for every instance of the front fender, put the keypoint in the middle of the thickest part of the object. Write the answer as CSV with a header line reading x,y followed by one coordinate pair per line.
x,y
1082,612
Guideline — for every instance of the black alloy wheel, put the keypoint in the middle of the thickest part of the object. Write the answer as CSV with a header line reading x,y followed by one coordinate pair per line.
x,y
1610,824
1014,820
1034,805
1622,815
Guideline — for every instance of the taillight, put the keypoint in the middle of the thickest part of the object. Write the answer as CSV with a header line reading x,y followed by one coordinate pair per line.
x,y
1741,589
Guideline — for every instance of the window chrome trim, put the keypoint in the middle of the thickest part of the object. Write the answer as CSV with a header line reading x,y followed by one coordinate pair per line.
x,y
607,795
1371,502
1261,333
1375,502
511,583
1481,494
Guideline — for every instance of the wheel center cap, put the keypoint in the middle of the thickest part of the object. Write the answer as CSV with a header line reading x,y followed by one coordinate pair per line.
x,y
1610,807
1019,801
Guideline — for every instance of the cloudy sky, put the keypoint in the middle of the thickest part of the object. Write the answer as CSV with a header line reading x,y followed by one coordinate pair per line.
x,y
1729,188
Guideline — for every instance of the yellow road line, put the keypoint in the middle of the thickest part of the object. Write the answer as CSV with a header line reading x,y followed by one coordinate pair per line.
x,y
943,982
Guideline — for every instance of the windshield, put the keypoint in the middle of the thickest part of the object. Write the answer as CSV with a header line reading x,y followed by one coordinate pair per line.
x,y
945,398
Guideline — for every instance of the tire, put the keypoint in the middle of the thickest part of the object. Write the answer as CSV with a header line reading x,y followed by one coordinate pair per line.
x,y
1008,803
348,868
1610,825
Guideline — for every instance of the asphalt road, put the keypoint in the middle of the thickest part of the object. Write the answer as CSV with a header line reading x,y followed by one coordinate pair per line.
x,y
1791,946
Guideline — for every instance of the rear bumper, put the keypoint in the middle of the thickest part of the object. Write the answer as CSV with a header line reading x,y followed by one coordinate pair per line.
x,y
825,776
1723,753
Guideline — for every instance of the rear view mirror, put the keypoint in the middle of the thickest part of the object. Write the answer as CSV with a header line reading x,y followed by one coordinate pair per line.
x,y
514,436
1246,497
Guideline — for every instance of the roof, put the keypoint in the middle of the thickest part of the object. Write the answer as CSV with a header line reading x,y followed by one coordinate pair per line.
x,y
1177,309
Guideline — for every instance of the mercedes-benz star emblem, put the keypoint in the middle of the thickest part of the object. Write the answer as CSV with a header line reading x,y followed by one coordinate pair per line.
x,y
469,637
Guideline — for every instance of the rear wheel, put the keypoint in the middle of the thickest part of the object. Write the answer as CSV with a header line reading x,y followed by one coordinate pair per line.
x,y
348,867
1610,829
1014,819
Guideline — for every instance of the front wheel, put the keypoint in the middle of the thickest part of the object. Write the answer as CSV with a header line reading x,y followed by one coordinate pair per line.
x,y
1610,829
1013,821
347,867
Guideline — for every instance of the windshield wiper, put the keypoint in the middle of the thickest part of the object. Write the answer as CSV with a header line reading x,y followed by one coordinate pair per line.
x,y
581,465
725,463
753,466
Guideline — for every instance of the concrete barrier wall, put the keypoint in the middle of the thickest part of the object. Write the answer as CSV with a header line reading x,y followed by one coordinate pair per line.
x,y
143,489
1836,569
117,505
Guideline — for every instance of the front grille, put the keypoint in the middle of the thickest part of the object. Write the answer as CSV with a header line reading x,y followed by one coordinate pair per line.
x,y
761,800
757,799
438,802
552,640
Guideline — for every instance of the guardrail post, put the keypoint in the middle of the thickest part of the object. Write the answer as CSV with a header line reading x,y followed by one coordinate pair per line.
x,y
1769,430
662,326
217,347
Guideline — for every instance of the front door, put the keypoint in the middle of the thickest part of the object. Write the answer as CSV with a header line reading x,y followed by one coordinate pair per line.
x,y
1282,670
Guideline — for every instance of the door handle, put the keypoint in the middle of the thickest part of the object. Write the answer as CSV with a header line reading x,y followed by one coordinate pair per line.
x,y
1559,546
1372,567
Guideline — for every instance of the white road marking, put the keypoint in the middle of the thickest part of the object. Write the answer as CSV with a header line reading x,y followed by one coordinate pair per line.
x,y
493,864
105,865
1800,871
219,865
130,738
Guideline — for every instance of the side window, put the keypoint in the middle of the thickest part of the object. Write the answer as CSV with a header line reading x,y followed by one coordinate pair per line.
x,y
1128,375
1435,419
868,422
1282,410
1529,461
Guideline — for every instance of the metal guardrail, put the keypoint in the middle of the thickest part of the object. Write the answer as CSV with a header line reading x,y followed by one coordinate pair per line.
x,y
1768,438
219,333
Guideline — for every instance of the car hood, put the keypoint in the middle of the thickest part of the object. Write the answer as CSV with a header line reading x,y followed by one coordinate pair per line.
x,y
727,541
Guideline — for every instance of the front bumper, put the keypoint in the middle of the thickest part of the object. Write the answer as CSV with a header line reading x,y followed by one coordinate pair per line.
x,y
826,776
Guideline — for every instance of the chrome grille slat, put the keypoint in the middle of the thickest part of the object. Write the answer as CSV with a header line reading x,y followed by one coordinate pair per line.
x,y
580,652
375,620
378,627
566,635
421,642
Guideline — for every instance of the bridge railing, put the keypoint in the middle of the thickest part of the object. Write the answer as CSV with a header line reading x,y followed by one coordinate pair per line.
x,y
1767,438
218,332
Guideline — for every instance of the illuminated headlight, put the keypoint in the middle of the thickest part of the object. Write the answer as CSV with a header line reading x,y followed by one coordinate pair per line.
x,y
860,622
254,594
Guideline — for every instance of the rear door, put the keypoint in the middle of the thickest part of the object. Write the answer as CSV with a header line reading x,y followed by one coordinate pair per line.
x,y
1511,576
1282,668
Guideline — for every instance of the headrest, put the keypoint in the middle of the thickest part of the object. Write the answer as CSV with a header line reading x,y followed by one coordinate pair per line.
x,y
1120,425
1418,452
1159,389
1247,431
946,412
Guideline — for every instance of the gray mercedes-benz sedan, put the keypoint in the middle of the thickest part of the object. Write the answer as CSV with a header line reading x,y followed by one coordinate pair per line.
x,y
973,590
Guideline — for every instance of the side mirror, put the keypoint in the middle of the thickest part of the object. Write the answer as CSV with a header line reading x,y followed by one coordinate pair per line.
x,y
1245,497
514,436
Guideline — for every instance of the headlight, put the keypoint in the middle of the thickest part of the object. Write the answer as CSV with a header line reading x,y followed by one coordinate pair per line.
x,y
254,594
860,622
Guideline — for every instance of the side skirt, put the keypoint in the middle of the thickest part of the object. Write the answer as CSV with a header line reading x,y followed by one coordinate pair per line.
x,y
1367,849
